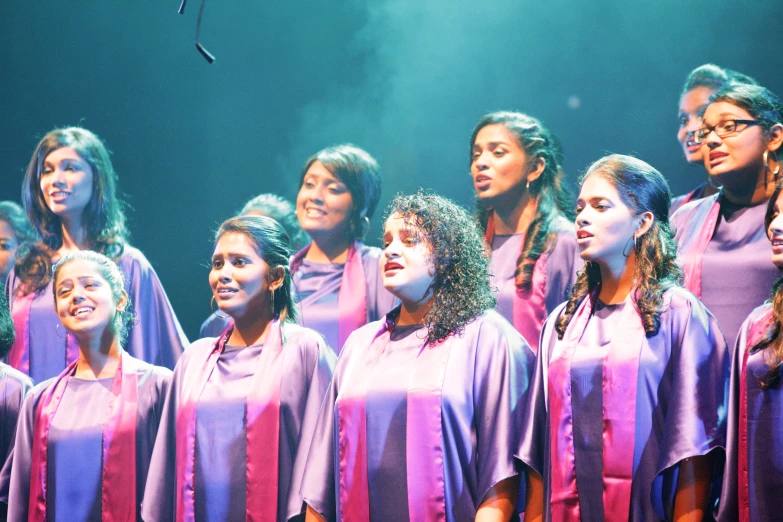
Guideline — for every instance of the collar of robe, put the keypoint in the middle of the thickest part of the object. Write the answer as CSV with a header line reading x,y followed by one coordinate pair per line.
x,y
352,297
118,476
620,370
697,226
262,414
424,430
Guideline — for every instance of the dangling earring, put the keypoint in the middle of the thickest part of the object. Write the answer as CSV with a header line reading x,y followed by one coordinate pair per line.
x,y
217,312
766,164
365,227
527,186
273,302
628,245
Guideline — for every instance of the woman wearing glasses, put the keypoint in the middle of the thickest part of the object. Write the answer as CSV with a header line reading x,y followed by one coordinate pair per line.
x,y
722,247
701,83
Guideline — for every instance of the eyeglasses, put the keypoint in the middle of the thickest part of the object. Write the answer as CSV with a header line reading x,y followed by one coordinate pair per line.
x,y
722,129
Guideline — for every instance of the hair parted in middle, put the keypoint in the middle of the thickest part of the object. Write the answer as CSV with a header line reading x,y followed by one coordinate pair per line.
x,y
271,243
461,289
642,189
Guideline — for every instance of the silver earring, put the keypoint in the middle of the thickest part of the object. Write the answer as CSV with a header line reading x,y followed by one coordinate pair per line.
x,y
273,302
217,312
57,331
527,186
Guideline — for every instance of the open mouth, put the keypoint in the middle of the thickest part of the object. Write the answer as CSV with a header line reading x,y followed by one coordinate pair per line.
x,y
583,234
392,267
82,311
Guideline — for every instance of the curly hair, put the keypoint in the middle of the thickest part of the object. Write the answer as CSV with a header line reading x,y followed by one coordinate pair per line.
x,y
461,289
554,201
642,189
7,333
104,216
282,211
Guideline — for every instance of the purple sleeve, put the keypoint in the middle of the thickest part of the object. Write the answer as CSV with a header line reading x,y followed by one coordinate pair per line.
x,y
15,386
156,336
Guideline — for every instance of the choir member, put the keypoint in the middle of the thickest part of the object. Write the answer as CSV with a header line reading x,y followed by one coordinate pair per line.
x,y
626,414
754,462
701,83
69,193
516,165
85,438
14,386
337,278
422,416
15,234
282,211
722,245
242,407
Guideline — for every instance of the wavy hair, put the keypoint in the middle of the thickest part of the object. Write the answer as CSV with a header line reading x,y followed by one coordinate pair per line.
x,y
104,216
282,211
461,289
555,203
7,333
642,189
271,243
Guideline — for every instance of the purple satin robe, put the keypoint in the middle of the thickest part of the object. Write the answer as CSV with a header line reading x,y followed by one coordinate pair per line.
x,y
75,449
221,430
765,435
483,394
562,264
680,405
693,195
156,336
736,272
318,284
14,386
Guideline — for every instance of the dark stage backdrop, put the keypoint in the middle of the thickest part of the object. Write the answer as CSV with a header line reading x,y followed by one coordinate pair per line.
x,y
405,79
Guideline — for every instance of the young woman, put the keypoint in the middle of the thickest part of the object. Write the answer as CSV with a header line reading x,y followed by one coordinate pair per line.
x,y
241,410
723,235
14,386
423,412
625,413
282,211
15,234
701,83
516,164
337,278
754,462
69,193
84,439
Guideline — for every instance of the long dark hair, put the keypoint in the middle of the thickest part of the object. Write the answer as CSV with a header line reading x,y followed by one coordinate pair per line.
x,y
714,77
642,189
7,333
104,216
270,241
554,201
461,290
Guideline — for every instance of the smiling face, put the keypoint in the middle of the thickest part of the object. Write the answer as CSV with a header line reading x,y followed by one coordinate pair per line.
x,y
8,248
498,166
240,279
692,105
66,182
324,204
406,268
85,301
775,232
604,223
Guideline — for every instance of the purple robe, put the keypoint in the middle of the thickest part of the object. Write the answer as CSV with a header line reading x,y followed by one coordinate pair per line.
x,y
562,264
483,393
75,449
764,434
693,195
156,336
680,405
214,325
318,284
736,272
221,430
14,386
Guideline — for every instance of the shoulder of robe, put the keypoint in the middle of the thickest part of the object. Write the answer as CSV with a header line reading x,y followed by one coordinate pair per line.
x,y
150,371
39,389
369,252
492,321
205,344
18,378
133,259
686,212
297,335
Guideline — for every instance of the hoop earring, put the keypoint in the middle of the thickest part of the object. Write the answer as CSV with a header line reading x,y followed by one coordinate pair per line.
x,y
217,312
775,160
57,331
527,186
365,227
273,302
629,245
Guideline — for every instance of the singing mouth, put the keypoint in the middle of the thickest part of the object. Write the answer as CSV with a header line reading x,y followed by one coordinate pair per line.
x,y
583,234
392,266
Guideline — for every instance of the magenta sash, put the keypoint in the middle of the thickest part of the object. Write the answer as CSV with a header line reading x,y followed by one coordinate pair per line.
x,y
695,227
529,306
424,431
19,356
118,485
758,328
263,430
352,297
620,376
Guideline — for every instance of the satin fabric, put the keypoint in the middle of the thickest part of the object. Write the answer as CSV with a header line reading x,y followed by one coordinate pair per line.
x,y
14,387
694,226
693,195
118,490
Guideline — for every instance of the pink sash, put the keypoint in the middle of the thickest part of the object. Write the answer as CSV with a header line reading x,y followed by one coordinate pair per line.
x,y
757,330
19,356
529,306
263,429
620,376
352,297
694,230
423,438
118,485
